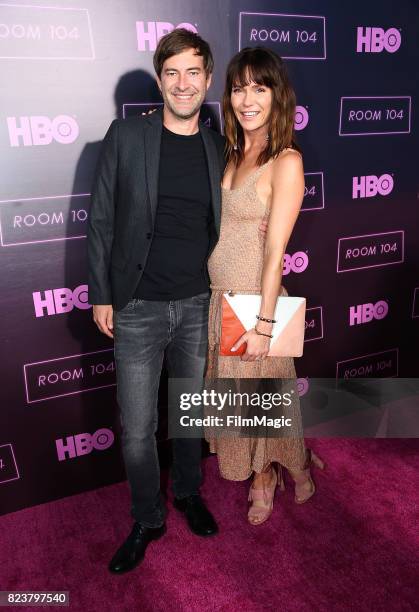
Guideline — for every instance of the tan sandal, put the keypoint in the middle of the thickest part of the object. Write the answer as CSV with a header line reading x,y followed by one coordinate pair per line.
x,y
263,499
301,478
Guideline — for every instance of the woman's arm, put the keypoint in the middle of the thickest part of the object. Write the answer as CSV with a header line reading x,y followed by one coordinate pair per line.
x,y
287,186
287,195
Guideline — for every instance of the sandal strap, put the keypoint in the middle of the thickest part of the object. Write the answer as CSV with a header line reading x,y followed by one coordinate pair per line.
x,y
257,494
265,493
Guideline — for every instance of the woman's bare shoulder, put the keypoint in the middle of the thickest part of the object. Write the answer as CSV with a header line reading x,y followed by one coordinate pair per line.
x,y
289,152
288,159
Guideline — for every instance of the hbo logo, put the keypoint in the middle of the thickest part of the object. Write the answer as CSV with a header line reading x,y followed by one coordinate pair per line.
x,y
58,301
375,40
149,34
302,386
368,186
83,444
364,313
39,130
301,118
295,263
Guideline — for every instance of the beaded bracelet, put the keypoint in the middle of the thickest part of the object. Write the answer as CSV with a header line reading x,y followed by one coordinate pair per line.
x,y
262,334
264,319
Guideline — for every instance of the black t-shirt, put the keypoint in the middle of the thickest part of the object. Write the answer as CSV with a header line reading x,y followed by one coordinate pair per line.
x,y
176,264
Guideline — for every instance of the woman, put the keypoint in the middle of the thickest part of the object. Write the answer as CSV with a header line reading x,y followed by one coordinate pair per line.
x,y
264,179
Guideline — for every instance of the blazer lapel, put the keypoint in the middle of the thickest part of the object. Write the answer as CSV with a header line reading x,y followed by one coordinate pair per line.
x,y
152,140
214,175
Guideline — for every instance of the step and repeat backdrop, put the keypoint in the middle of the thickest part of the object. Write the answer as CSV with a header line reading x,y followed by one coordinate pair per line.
x,y
66,73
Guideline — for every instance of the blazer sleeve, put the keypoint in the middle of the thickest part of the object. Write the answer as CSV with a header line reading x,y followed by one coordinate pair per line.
x,y
101,219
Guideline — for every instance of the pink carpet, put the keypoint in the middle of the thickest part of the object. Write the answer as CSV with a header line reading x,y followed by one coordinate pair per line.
x,y
354,546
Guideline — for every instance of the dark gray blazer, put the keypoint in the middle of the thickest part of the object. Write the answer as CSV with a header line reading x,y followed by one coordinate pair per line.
x,y
124,201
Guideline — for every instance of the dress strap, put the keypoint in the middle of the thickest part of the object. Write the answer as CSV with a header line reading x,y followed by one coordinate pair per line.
x,y
256,174
252,177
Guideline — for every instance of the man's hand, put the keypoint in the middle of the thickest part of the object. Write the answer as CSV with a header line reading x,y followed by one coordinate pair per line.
x,y
103,317
263,227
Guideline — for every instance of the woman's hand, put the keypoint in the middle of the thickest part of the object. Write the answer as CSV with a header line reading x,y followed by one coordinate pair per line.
x,y
257,346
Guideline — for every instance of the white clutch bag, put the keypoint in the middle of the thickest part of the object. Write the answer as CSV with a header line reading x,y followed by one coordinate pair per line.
x,y
239,315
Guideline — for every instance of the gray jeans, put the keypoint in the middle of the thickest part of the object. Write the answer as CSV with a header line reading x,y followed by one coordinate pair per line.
x,y
144,332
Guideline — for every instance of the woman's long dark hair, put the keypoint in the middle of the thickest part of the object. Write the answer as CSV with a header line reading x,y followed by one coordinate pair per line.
x,y
263,67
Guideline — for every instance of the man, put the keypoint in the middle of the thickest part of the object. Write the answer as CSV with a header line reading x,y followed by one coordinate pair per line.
x,y
154,220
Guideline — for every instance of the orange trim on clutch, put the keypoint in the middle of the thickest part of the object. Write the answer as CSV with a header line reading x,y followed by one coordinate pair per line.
x,y
231,330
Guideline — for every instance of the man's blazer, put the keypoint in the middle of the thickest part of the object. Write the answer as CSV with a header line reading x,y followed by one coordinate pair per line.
x,y
124,202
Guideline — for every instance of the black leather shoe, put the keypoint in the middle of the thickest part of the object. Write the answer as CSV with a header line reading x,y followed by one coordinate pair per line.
x,y
133,549
199,518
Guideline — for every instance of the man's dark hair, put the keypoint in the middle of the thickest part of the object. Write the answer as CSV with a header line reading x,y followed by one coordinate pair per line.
x,y
176,42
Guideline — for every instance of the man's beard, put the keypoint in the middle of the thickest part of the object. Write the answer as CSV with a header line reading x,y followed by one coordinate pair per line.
x,y
187,113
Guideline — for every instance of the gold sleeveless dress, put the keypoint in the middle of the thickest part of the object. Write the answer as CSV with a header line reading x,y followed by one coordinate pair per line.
x,y
236,263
